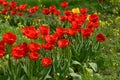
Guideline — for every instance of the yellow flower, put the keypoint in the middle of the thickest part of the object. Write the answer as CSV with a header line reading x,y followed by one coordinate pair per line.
x,y
20,24
75,10
110,39
115,64
66,76
91,75
6,17
88,17
102,23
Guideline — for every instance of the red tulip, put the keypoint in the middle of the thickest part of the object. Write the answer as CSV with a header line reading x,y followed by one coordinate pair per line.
x,y
33,9
100,38
60,31
63,18
47,46
2,45
57,12
13,12
46,62
83,17
2,49
72,31
96,24
34,56
2,52
86,32
51,39
101,0
12,4
34,46
91,26
75,15
5,3
19,13
20,51
9,38
26,30
30,32
64,4
83,10
22,7
70,18
67,12
62,43
93,17
4,11
1,1
25,47
52,9
45,11
44,30
75,25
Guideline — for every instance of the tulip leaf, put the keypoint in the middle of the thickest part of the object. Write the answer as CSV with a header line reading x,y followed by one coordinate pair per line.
x,y
76,76
23,78
93,66
76,62
71,70
48,77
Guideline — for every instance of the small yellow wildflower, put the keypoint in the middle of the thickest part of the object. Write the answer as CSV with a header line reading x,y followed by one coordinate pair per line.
x,y
7,56
58,74
102,23
66,76
6,17
89,70
115,64
91,75
111,39
20,24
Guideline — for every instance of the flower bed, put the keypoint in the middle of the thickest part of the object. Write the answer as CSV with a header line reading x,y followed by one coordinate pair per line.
x,y
58,42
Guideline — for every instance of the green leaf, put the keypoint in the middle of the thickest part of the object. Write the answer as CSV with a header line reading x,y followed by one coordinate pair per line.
x,y
76,62
93,66
71,70
48,77
76,76
23,78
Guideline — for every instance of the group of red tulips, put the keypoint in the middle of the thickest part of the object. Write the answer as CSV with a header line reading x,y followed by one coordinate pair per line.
x,y
12,8
51,40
